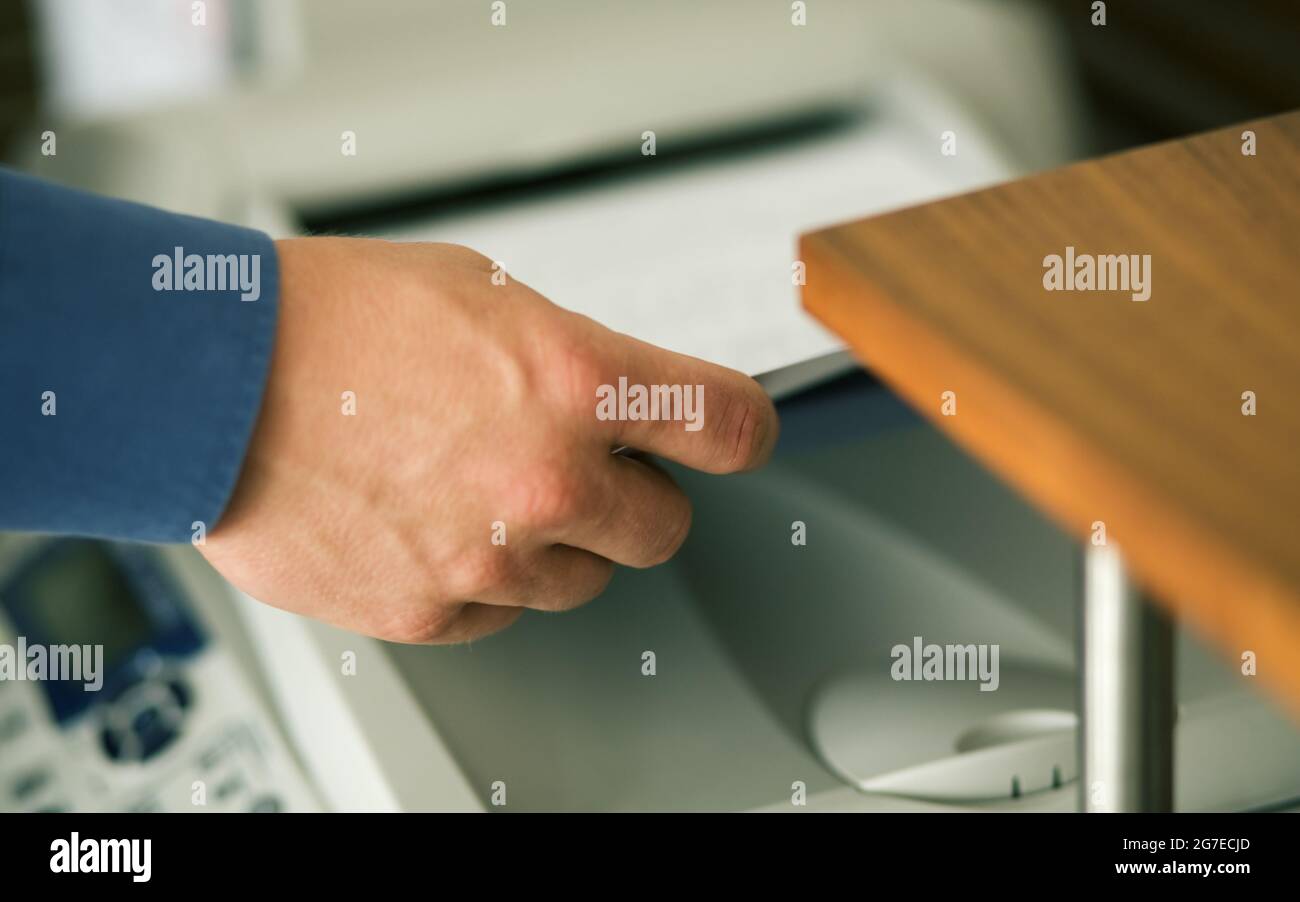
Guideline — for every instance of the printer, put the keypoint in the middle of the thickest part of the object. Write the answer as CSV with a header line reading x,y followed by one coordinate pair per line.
x,y
756,670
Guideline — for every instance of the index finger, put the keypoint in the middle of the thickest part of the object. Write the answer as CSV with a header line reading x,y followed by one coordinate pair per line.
x,y
699,414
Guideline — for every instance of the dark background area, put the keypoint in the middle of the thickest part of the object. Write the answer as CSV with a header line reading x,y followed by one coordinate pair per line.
x,y
1164,68
18,82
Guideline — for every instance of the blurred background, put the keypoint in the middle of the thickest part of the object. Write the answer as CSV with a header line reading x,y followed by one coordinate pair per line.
x,y
1168,68
649,164
521,128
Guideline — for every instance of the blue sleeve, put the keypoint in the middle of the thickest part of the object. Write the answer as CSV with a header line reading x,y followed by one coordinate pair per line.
x,y
128,388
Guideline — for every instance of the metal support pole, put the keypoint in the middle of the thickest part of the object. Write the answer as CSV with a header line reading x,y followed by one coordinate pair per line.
x,y
1126,666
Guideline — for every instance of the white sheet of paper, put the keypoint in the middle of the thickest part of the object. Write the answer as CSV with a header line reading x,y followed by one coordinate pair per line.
x,y
699,258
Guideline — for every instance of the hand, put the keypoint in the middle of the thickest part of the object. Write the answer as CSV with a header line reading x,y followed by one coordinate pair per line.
x,y
473,421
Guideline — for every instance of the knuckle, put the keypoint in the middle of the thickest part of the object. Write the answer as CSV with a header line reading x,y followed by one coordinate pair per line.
x,y
740,433
426,625
551,497
584,586
482,572
578,373
465,255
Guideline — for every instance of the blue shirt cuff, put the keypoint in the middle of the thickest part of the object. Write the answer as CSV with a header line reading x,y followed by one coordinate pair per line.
x,y
129,385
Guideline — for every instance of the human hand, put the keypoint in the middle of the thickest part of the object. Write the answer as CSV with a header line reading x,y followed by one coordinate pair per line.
x,y
470,477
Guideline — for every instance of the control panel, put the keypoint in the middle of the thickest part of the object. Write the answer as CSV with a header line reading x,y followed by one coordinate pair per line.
x,y
116,693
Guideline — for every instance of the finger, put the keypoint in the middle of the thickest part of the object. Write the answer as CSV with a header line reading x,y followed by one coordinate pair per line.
x,y
644,517
704,416
553,578
567,578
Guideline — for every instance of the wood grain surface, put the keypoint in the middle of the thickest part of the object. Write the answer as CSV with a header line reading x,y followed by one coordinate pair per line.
x,y
1097,407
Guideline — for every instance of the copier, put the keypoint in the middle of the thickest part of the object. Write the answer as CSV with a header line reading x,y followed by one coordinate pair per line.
x,y
754,671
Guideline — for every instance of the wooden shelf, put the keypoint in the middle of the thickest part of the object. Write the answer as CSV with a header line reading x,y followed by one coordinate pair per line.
x,y
1098,407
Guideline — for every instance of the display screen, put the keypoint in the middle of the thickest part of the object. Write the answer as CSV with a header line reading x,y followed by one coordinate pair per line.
x,y
82,597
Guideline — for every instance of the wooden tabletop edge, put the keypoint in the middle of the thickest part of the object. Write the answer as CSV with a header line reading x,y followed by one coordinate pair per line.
x,y
1266,611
